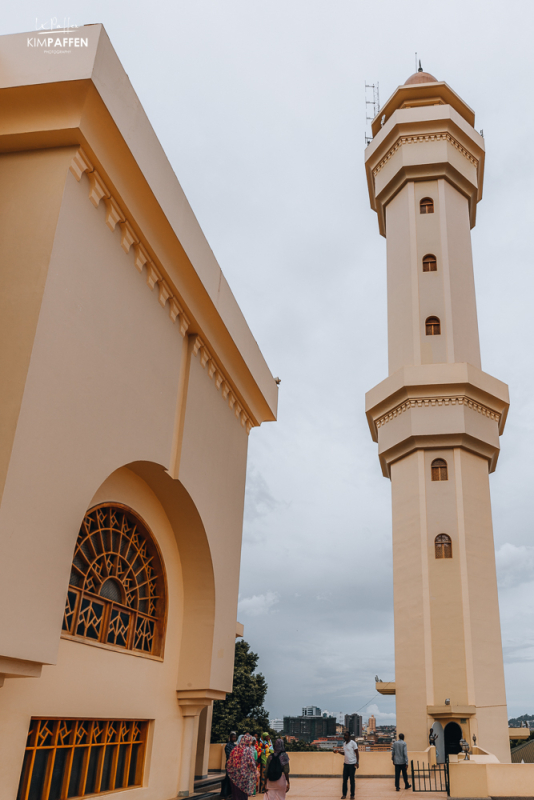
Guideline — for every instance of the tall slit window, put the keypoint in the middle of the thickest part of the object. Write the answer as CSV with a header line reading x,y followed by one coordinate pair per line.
x,y
430,263
426,206
439,470
79,757
433,326
443,546
116,593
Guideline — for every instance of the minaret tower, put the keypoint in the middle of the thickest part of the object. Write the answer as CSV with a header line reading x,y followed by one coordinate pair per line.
x,y
437,420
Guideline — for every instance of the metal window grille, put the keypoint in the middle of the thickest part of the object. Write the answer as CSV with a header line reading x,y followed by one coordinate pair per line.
x,y
116,592
76,757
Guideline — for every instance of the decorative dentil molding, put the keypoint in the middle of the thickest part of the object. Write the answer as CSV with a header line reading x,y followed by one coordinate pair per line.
x,y
424,137
424,402
215,373
114,216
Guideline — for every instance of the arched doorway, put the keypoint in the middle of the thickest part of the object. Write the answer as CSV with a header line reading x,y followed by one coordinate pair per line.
x,y
453,734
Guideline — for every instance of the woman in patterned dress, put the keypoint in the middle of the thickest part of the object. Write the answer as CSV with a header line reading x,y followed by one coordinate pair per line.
x,y
241,769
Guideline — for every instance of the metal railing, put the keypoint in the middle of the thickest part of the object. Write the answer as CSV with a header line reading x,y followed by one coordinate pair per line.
x,y
426,778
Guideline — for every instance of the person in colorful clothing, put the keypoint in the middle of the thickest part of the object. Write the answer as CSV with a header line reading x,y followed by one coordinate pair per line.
x,y
241,769
265,751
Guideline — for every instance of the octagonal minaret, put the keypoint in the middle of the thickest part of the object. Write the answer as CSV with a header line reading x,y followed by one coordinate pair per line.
x,y
437,420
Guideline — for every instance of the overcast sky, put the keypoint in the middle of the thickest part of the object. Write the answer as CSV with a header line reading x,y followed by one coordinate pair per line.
x,y
260,107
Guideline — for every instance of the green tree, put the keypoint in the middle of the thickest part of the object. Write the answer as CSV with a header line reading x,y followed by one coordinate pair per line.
x,y
243,708
299,746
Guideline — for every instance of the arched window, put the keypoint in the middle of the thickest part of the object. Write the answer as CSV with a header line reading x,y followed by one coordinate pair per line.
x,y
116,592
433,326
439,470
426,206
443,546
430,264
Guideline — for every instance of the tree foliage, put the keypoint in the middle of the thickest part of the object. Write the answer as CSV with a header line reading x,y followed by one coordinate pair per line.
x,y
298,746
243,709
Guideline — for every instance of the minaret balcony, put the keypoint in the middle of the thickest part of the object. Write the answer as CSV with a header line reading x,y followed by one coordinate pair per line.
x,y
436,406
422,144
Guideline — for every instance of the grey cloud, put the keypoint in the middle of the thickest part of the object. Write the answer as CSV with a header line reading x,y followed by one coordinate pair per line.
x,y
260,108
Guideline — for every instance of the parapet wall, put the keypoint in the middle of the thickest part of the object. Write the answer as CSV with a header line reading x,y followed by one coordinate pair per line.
x,y
329,764
470,779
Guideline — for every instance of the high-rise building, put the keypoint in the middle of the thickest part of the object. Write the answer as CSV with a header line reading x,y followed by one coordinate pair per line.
x,y
311,711
309,727
276,724
353,724
437,420
371,724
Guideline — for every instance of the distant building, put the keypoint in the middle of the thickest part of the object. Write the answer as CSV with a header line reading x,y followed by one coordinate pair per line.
x,y
308,728
371,724
328,743
311,711
276,724
353,723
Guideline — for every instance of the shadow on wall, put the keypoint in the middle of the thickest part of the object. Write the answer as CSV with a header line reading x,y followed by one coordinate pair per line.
x,y
197,574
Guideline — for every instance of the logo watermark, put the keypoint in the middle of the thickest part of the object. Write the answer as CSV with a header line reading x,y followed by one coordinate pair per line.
x,y
54,38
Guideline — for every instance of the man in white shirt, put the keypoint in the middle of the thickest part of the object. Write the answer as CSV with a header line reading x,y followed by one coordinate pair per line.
x,y
352,762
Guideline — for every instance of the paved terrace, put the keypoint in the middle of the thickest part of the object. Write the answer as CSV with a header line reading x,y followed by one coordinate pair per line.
x,y
372,788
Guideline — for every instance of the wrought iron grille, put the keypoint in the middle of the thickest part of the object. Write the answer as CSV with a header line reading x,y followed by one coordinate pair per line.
x,y
427,778
77,757
116,592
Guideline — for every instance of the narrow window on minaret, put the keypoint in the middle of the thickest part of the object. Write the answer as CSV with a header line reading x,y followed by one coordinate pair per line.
x,y
430,264
443,546
426,206
433,326
439,470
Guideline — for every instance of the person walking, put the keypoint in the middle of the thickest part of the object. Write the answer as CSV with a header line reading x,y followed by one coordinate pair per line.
x,y
277,773
241,769
352,762
226,787
399,756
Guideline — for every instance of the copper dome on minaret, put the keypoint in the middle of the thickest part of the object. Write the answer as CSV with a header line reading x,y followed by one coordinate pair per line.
x,y
420,77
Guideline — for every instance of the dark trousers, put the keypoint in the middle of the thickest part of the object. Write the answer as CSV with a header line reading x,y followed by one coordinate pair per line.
x,y
404,769
349,771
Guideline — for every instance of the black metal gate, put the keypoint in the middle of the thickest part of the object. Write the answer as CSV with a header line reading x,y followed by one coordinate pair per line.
x,y
430,779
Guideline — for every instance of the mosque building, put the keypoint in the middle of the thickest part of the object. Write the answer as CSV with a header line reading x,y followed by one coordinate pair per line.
x,y
130,383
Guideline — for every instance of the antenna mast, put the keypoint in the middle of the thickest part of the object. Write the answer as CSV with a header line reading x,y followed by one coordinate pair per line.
x,y
371,91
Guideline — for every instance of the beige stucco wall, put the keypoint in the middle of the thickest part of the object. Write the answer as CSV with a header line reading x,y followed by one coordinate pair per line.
x,y
125,364
448,293
92,681
447,642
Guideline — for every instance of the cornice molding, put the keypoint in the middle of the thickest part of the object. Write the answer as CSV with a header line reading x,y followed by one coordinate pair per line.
x,y
422,402
424,137
215,373
115,216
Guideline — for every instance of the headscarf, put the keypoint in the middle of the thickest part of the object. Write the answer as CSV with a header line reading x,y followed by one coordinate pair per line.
x,y
279,750
229,746
241,767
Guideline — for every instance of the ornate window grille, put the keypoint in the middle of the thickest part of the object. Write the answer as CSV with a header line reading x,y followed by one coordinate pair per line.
x,y
443,545
77,757
426,206
439,470
430,263
116,593
433,326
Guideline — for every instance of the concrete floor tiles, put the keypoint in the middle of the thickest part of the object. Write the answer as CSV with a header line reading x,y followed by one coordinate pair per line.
x,y
372,788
